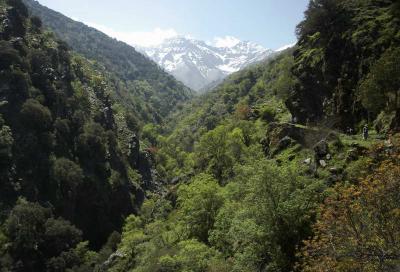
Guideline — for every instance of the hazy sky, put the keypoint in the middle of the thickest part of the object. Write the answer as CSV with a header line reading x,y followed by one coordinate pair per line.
x,y
270,23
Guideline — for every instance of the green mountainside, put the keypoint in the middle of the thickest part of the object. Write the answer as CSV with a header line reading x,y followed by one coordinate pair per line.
x,y
341,45
271,171
149,92
65,144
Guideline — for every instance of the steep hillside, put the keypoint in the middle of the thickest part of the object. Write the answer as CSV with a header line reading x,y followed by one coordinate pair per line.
x,y
68,150
150,91
198,64
339,45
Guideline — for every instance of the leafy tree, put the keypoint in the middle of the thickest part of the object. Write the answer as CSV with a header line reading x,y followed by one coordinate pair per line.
x,y
92,148
192,256
213,153
319,17
199,203
150,132
8,55
67,174
60,236
6,143
132,237
267,217
19,90
155,208
67,177
63,136
35,115
358,228
25,228
34,237
381,88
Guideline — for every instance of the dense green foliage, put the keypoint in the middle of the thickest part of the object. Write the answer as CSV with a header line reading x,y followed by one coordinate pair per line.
x,y
66,146
38,240
244,93
228,207
381,88
245,183
244,188
339,43
256,93
249,225
144,88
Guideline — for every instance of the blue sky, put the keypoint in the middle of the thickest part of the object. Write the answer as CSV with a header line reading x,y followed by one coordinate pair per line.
x,y
270,23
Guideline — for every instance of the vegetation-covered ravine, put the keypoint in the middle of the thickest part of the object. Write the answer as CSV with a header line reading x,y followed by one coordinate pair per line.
x,y
292,164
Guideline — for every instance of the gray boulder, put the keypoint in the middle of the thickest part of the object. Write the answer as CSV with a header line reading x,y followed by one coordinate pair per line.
x,y
307,161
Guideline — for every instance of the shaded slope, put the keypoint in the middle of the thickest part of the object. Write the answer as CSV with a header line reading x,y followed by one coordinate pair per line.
x,y
153,92
65,142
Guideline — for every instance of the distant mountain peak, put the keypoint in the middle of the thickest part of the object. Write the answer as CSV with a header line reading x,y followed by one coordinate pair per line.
x,y
197,63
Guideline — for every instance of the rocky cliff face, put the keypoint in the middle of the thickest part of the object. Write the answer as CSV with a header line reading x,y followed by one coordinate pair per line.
x,y
338,44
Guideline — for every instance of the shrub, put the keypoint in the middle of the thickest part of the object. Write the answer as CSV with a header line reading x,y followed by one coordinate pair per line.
x,y
8,55
67,175
35,115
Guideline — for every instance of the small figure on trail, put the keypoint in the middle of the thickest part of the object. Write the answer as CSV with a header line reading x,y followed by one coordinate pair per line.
x,y
365,132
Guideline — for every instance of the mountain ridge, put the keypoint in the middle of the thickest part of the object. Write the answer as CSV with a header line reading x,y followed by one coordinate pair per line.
x,y
197,63
139,81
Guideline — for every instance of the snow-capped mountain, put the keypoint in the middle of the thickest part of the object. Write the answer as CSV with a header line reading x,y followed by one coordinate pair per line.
x,y
198,64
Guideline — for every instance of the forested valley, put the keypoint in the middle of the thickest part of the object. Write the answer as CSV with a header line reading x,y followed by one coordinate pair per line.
x,y
107,163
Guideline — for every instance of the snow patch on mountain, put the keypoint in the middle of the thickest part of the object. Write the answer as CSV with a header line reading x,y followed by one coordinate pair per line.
x,y
197,63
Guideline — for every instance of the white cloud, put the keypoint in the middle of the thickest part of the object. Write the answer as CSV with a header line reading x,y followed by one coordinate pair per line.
x,y
285,47
140,38
227,41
